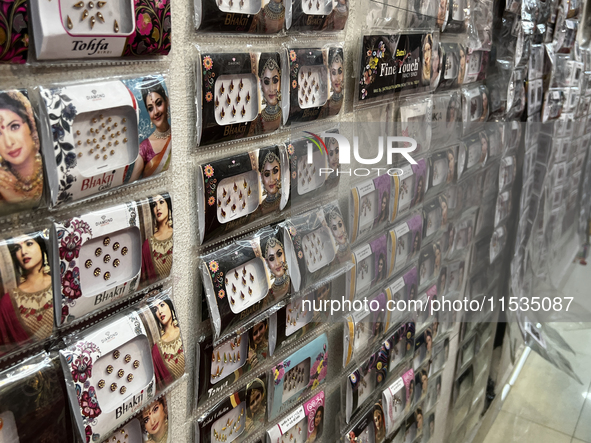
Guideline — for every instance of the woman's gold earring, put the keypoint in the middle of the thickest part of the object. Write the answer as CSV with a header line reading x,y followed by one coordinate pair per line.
x,y
1,160
279,95
169,223
263,101
46,268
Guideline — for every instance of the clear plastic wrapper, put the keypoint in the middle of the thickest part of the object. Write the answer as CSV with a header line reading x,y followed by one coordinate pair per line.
x,y
313,82
373,204
110,376
371,263
473,152
304,423
476,66
366,380
413,185
245,277
481,23
405,243
458,12
470,192
446,120
453,64
98,136
318,176
33,401
398,399
462,386
317,245
319,16
370,427
486,218
402,289
516,94
306,313
82,31
231,360
107,254
491,179
424,320
240,190
21,170
430,262
363,329
464,228
396,64
298,375
507,172
238,94
28,284
236,417
401,341
475,109
435,217
415,116
240,16
442,169
422,383
503,207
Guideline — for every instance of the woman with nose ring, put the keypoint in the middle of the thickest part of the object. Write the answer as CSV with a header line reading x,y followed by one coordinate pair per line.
x,y
339,233
277,263
155,151
26,311
168,353
270,170
270,81
21,167
155,422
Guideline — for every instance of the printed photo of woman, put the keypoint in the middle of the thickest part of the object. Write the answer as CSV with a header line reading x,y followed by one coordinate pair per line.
x,y
379,423
155,150
462,71
337,18
274,254
383,208
270,170
337,77
451,166
270,82
316,434
21,166
270,18
333,157
427,53
154,421
382,271
26,310
256,404
419,191
258,345
157,249
339,232
168,354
